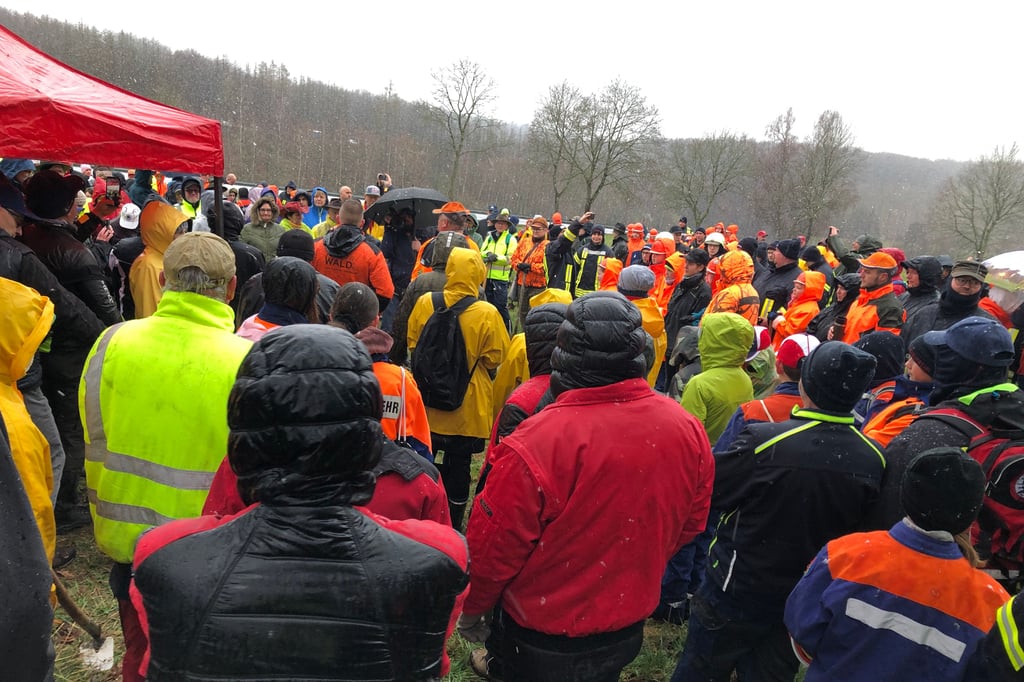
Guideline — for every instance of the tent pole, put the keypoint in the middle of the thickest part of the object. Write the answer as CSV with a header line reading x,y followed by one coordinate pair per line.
x,y
218,193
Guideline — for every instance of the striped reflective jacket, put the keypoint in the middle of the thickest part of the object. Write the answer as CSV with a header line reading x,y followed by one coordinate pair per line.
x,y
153,400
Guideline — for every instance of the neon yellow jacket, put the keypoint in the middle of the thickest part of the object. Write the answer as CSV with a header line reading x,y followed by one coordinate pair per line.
x,y
153,400
27,320
503,247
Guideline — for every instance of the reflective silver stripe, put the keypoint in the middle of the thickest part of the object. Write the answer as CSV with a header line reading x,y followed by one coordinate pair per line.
x,y
93,379
126,513
182,479
96,450
908,628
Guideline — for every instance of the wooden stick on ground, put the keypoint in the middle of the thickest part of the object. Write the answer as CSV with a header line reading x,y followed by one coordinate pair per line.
x,y
77,615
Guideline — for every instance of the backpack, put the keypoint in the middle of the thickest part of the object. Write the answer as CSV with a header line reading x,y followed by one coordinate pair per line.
x,y
996,442
439,359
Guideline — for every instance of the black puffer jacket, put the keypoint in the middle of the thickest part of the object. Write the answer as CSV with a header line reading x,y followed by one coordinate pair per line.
x,y
74,266
541,330
303,586
601,342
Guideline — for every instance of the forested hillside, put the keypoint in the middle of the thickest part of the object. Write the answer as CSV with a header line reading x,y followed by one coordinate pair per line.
x,y
279,126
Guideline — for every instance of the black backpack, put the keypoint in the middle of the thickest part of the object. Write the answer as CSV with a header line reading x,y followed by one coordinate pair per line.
x,y
439,359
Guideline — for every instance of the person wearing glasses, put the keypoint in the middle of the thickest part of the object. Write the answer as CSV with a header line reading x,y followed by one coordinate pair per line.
x,y
958,300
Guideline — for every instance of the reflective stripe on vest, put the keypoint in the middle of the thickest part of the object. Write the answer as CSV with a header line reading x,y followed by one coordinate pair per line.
x,y
131,485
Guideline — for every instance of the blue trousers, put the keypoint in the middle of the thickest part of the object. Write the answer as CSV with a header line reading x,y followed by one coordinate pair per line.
x,y
729,633
685,571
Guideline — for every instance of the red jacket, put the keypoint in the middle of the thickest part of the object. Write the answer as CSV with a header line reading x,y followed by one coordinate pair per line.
x,y
574,527
394,497
520,404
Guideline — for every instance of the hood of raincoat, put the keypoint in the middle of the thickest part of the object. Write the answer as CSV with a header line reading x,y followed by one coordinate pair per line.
x,y
158,223
290,282
343,240
27,320
868,244
814,286
466,273
929,272
442,245
610,278
736,267
725,340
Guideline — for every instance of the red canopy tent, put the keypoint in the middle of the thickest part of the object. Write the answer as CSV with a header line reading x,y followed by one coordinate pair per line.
x,y
49,110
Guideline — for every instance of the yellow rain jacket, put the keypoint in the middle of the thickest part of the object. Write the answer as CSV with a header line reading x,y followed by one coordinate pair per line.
x,y
654,324
27,320
157,225
486,345
515,370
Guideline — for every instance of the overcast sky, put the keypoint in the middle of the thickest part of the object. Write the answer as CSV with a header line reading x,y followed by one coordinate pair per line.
x,y
931,79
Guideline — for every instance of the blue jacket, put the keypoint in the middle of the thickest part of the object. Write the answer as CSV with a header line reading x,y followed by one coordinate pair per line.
x,y
891,605
315,215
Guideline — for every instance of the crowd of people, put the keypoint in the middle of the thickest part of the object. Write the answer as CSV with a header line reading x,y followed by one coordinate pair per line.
x,y
810,453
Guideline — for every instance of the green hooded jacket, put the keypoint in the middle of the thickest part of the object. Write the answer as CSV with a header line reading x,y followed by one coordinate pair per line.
x,y
722,385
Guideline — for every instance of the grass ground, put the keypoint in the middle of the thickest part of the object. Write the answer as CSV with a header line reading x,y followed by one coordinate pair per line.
x,y
86,581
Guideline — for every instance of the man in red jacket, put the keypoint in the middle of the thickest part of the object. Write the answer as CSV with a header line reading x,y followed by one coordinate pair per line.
x,y
565,550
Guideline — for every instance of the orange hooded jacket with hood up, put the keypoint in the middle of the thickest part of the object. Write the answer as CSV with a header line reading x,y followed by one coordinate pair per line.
x,y
803,309
737,294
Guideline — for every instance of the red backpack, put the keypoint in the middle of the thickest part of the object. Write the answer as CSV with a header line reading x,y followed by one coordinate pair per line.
x,y
995,434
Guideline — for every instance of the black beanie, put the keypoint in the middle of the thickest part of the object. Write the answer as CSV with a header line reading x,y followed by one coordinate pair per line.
x,y
812,256
749,244
790,248
923,355
297,243
888,351
943,489
835,375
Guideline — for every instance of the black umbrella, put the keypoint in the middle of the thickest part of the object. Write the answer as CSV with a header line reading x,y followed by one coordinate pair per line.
x,y
422,201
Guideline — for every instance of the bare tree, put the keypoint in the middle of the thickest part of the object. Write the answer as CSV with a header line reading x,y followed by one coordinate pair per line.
x,y
983,200
554,137
702,170
775,168
462,94
825,174
616,130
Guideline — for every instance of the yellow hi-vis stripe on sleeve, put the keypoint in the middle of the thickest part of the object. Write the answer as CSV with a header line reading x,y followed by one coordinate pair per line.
x,y
1011,636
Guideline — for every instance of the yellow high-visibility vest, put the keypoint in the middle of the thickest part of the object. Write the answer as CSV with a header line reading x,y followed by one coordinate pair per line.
x,y
153,400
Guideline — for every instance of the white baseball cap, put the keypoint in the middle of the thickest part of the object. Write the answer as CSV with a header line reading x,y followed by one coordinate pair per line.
x,y
130,216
